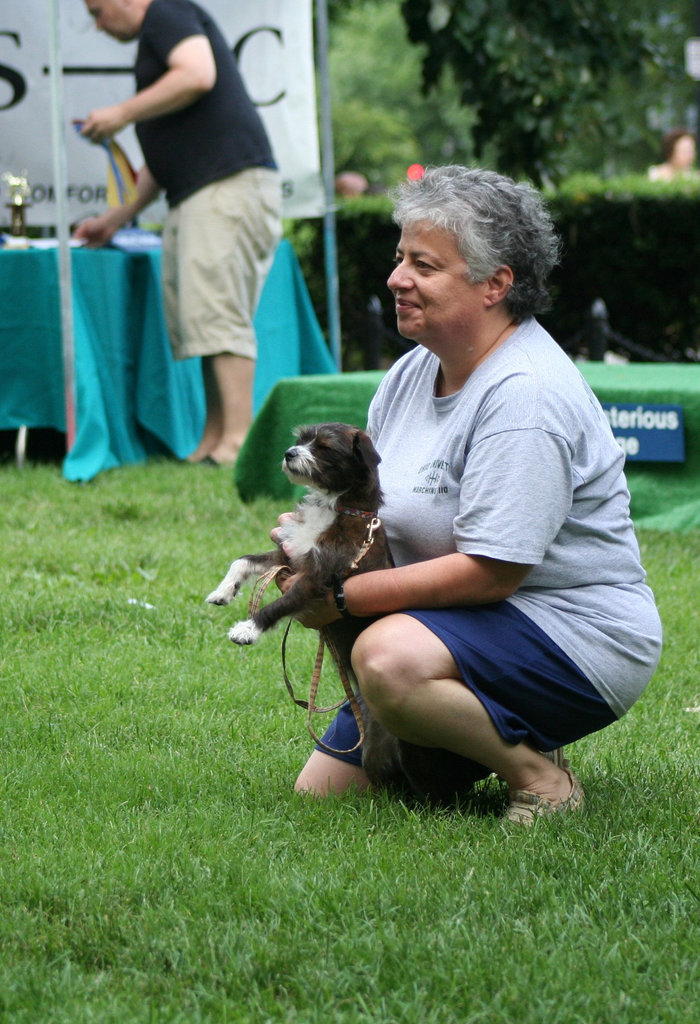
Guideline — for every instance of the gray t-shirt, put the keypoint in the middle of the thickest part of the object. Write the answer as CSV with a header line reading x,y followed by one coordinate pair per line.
x,y
521,465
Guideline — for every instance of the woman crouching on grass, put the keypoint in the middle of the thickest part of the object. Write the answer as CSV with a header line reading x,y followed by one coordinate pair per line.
x,y
517,618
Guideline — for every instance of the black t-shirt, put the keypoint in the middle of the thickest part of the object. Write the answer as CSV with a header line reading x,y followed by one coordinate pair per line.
x,y
218,135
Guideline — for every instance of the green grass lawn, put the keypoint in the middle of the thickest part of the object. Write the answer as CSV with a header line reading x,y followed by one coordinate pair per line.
x,y
155,864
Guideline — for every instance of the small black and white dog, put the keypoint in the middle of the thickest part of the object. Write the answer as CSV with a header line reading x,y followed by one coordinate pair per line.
x,y
337,463
335,531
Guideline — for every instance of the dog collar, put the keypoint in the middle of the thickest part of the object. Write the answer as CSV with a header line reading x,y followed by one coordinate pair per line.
x,y
360,512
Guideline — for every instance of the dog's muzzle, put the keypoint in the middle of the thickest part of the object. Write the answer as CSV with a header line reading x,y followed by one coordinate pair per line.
x,y
298,462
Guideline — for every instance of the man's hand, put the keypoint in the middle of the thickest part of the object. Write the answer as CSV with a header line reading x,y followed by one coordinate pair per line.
x,y
96,231
104,123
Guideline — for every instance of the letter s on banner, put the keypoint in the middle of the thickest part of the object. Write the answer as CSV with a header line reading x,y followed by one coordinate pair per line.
x,y
14,79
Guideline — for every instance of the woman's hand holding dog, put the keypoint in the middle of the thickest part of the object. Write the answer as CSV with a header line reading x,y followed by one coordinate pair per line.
x,y
321,612
277,530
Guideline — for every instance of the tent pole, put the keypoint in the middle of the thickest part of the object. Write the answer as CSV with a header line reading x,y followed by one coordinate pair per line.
x,y
65,278
327,164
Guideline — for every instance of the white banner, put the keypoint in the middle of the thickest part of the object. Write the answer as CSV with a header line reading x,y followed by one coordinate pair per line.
x,y
272,39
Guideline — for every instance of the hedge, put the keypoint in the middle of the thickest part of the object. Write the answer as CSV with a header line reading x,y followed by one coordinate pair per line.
x,y
633,243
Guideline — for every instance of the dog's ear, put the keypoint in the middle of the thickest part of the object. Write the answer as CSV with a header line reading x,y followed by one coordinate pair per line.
x,y
364,450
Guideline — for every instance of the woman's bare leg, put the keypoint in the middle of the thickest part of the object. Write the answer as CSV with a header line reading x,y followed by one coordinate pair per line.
x,y
324,775
412,685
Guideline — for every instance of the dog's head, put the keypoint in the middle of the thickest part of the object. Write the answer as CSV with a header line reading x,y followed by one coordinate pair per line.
x,y
334,458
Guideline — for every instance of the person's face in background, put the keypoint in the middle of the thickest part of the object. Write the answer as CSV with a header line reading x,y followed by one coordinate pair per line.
x,y
683,155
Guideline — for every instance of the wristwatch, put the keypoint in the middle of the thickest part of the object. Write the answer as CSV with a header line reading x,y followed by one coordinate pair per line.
x,y
339,594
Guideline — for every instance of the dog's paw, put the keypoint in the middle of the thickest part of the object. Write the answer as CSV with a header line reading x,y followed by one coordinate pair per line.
x,y
224,593
239,571
244,633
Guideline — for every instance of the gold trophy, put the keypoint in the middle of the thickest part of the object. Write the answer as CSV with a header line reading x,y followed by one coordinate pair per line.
x,y
19,192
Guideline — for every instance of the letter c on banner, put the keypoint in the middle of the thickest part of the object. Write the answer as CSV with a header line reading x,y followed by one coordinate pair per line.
x,y
15,80
238,50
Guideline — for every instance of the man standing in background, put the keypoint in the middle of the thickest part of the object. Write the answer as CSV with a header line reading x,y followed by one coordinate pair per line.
x,y
203,143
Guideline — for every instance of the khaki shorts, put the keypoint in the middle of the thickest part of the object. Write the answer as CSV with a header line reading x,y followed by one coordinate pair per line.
x,y
218,246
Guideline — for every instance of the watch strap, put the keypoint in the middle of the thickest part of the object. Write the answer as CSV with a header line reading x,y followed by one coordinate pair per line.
x,y
339,594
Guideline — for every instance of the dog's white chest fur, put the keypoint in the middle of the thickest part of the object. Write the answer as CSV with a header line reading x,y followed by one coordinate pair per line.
x,y
300,534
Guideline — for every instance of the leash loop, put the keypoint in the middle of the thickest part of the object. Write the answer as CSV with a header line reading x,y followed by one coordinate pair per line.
x,y
310,705
259,588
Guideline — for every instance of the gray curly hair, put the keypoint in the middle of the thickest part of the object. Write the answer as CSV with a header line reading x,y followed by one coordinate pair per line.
x,y
495,222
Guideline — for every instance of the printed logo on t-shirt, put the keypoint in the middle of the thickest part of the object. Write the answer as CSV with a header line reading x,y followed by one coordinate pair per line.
x,y
431,474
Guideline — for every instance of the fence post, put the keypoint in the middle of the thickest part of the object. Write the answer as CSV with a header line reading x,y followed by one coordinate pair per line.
x,y
598,332
375,334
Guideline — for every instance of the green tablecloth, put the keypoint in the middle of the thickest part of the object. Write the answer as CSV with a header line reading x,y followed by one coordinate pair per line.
x,y
132,399
664,496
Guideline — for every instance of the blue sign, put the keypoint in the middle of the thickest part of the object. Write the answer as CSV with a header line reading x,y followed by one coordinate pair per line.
x,y
647,433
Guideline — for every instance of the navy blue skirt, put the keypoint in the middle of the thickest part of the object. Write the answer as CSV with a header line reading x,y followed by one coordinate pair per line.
x,y
531,689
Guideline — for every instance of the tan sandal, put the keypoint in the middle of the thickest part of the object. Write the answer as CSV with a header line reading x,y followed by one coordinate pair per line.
x,y
557,757
524,806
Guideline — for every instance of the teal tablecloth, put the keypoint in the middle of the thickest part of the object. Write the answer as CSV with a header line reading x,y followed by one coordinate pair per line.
x,y
132,399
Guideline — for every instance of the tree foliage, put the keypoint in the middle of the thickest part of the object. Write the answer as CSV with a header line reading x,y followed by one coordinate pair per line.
x,y
382,122
534,73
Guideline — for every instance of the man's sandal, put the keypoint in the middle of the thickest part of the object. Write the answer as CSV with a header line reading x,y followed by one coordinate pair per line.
x,y
524,806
